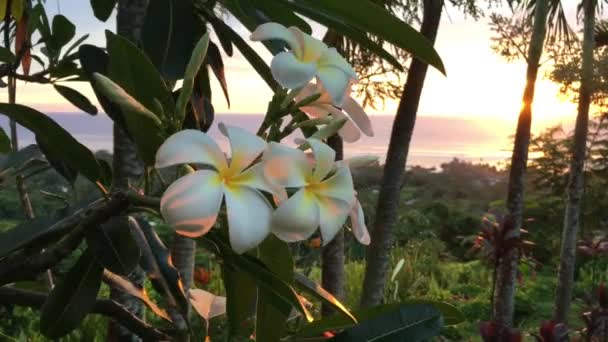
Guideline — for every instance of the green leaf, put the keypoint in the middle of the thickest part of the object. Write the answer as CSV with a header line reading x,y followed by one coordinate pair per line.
x,y
214,60
164,276
75,44
102,9
18,159
23,234
76,98
72,298
95,60
253,58
131,69
371,18
114,247
63,31
56,138
281,13
241,299
364,316
196,60
451,314
170,32
223,37
322,294
126,286
56,161
17,9
411,322
271,322
143,126
6,55
5,142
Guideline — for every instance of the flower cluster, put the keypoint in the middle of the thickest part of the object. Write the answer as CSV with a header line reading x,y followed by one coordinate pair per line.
x,y
322,190
269,188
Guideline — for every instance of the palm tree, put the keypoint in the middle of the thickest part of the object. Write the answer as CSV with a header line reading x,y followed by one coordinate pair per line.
x,y
377,258
126,165
507,270
574,190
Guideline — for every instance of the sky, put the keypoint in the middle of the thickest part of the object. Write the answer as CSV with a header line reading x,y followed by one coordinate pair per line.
x,y
479,85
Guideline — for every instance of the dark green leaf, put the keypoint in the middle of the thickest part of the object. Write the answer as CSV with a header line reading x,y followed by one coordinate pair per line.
x,y
170,33
371,18
131,69
253,58
63,31
114,247
5,142
23,234
103,8
281,13
451,314
95,60
76,98
251,18
143,125
241,298
223,37
64,69
214,60
271,322
6,55
164,276
56,138
105,169
194,65
72,298
56,161
322,294
410,322
76,44
122,284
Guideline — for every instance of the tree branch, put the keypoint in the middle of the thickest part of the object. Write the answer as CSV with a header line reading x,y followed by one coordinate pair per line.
x,y
105,307
20,266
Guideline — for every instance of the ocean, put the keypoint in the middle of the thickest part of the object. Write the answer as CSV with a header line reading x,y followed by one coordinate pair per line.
x,y
436,140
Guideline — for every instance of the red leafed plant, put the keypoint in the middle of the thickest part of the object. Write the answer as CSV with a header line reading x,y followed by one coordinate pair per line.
x,y
494,332
551,331
596,319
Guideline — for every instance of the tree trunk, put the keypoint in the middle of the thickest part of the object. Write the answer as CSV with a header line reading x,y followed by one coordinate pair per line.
x,y
394,169
507,269
574,191
127,167
332,256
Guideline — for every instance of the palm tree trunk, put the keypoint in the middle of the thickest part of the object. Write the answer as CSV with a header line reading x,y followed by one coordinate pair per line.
x,y
127,167
574,191
332,256
378,252
507,270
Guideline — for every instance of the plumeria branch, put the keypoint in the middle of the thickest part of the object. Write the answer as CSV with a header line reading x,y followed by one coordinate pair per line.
x,y
105,307
21,265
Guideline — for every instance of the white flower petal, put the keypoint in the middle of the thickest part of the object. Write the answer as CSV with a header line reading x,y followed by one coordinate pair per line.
x,y
245,147
269,31
190,146
191,203
325,158
290,72
332,215
297,218
206,304
356,112
248,217
339,186
336,82
285,166
357,220
331,57
311,49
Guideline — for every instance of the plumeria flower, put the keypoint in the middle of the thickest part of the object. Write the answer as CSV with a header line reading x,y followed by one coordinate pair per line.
x,y
191,204
324,197
357,119
307,59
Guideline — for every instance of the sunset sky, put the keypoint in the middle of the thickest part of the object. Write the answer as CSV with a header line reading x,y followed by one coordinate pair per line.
x,y
479,84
